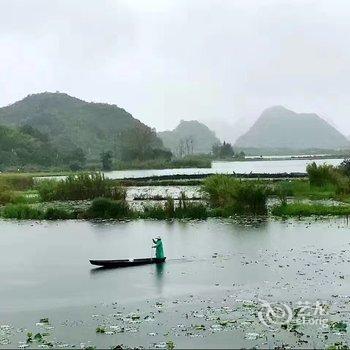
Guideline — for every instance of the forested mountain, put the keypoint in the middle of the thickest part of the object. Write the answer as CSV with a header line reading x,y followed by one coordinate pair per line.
x,y
69,122
278,128
26,146
189,137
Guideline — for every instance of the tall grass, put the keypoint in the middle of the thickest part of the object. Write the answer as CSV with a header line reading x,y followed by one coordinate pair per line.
x,y
305,209
7,196
325,174
303,189
184,210
79,187
16,182
11,184
190,210
22,212
320,175
234,195
28,212
155,211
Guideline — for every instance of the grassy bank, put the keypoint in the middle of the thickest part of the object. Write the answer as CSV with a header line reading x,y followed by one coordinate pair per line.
x,y
105,208
92,196
303,209
194,161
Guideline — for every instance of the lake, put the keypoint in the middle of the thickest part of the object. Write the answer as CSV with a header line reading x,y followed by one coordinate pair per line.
x,y
208,294
240,167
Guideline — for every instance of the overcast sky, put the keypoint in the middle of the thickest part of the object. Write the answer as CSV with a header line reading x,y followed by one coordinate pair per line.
x,y
166,60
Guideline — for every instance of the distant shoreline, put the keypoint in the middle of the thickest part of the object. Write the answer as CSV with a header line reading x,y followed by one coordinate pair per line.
x,y
54,173
292,157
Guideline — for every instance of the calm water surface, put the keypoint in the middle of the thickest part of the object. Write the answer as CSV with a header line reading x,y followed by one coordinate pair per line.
x,y
212,267
241,167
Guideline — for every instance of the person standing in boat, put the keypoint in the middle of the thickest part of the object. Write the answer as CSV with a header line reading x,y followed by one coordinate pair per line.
x,y
158,244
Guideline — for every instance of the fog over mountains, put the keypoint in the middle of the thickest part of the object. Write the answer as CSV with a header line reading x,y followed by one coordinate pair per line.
x,y
167,60
69,123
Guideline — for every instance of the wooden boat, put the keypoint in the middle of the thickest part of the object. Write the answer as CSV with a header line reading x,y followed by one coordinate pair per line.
x,y
127,262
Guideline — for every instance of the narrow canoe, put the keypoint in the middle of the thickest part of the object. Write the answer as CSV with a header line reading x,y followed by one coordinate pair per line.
x,y
126,262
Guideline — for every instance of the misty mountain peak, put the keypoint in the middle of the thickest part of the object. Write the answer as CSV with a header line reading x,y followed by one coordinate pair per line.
x,y
279,127
198,134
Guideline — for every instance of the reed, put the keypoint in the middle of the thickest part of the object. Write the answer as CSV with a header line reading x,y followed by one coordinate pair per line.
x,y
305,209
235,195
79,187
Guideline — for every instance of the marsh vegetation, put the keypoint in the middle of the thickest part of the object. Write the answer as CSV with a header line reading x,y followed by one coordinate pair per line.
x,y
92,196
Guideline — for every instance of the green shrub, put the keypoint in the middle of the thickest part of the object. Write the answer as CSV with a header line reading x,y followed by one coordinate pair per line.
x,y
117,210
99,206
344,167
237,196
27,212
104,208
79,187
154,212
22,212
169,207
47,190
191,211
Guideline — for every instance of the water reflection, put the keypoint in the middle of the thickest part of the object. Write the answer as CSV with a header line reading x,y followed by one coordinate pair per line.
x,y
100,270
159,277
252,221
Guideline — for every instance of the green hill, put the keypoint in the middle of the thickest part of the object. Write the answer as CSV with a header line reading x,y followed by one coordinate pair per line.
x,y
70,122
189,137
280,128
26,146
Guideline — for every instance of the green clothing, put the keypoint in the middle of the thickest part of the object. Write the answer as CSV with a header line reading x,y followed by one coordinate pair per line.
x,y
159,248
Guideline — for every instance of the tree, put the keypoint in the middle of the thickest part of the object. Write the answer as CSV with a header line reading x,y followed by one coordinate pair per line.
x,y
29,130
106,159
344,167
240,155
75,158
223,151
140,143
